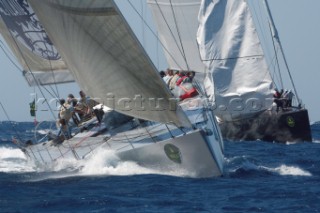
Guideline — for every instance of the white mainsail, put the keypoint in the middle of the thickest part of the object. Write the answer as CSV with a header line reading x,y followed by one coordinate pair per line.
x,y
20,28
177,24
106,58
239,81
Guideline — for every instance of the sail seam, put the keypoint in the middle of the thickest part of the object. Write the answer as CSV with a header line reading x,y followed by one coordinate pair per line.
x,y
232,58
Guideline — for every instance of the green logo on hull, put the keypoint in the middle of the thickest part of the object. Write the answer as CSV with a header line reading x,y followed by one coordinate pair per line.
x,y
290,121
173,153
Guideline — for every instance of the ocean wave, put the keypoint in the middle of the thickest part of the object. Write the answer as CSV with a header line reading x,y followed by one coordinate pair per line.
x,y
13,160
6,152
315,141
288,170
243,166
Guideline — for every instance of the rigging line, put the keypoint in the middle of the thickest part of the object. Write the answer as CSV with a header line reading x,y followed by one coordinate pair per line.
x,y
54,81
262,35
55,92
276,37
260,20
6,48
142,25
171,32
179,35
48,57
274,72
12,126
277,60
45,52
157,43
272,65
157,53
4,51
49,92
37,83
24,58
155,35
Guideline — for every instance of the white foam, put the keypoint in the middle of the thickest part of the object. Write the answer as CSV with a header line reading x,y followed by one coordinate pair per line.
x,y
292,143
102,162
315,141
106,162
6,152
284,170
13,160
289,170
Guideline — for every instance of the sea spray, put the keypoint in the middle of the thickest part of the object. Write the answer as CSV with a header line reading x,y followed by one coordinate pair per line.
x,y
106,162
244,165
13,160
291,170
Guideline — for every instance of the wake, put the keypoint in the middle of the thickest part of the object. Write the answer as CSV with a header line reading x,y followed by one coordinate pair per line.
x,y
242,165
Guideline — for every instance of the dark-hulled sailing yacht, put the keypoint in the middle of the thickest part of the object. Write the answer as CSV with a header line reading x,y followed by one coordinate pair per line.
x,y
238,75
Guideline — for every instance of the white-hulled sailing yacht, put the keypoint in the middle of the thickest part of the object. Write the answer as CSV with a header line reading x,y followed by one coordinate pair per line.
x,y
105,58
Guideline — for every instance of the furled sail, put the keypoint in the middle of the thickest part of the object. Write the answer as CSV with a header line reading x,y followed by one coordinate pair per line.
x,y
106,58
239,82
177,24
25,36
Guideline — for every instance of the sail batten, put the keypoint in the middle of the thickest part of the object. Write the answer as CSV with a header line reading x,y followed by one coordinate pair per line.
x,y
30,44
107,59
85,10
54,77
239,81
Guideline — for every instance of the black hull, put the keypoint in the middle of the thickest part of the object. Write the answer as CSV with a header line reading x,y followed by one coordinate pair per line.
x,y
292,126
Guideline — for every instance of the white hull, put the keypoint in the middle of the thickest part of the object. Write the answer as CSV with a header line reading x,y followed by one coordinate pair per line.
x,y
198,152
193,156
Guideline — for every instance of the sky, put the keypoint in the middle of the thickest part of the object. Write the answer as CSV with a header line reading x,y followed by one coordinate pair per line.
x,y
298,24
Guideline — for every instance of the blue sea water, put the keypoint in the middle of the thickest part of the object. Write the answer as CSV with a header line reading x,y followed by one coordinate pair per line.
x,y
259,177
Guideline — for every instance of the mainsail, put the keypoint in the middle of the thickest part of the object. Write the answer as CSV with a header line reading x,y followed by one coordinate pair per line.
x,y
106,58
177,24
239,81
40,61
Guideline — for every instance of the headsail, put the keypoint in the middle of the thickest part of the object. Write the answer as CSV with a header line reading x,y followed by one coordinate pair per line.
x,y
230,47
177,25
106,58
22,31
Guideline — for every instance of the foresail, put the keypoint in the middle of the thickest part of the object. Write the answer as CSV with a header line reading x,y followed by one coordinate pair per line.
x,y
230,48
106,58
177,24
25,36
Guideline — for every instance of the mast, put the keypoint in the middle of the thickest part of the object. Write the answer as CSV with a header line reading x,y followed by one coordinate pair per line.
x,y
276,37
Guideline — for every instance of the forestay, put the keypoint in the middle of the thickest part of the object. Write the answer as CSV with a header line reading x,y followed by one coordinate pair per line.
x,y
106,58
177,24
40,61
239,81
